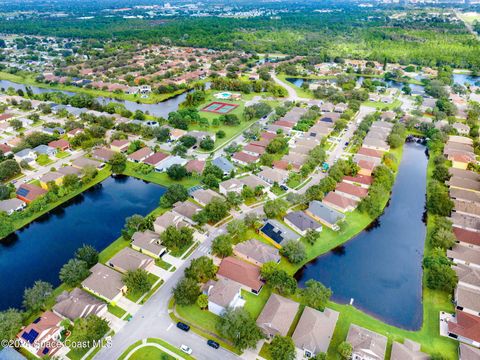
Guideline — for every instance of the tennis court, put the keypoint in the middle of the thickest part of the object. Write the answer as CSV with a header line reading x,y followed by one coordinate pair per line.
x,y
219,107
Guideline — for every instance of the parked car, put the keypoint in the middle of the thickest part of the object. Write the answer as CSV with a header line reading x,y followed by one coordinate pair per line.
x,y
284,187
183,326
213,344
186,349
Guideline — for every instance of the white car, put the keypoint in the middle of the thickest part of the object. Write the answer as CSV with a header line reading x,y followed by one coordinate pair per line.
x,y
186,349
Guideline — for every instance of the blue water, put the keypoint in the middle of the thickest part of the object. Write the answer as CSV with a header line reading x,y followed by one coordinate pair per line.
x,y
96,217
381,267
463,79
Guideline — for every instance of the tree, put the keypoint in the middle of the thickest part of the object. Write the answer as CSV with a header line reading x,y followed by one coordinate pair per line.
x,y
315,294
118,162
207,144
443,238
279,280
175,239
88,254
177,172
34,298
71,181
237,229
9,169
222,246
240,328
233,198
294,251
10,323
345,350
89,329
201,269
440,173
74,272
438,199
133,224
174,193
395,140
320,356
438,272
186,291
202,301
311,236
213,212
282,348
136,281
275,208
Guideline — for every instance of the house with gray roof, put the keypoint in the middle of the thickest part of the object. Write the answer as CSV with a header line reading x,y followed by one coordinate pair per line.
x,y
467,299
256,252
149,243
467,276
128,260
187,209
301,222
366,344
27,155
105,283
169,161
231,185
409,350
314,331
277,316
464,255
324,214
11,205
277,233
272,176
167,219
83,162
204,196
224,165
467,352
78,304
45,150
222,295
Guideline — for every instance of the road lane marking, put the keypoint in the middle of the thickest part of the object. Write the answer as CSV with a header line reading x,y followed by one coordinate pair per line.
x,y
169,327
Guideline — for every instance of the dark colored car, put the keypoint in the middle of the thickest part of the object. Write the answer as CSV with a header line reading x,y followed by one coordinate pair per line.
x,y
183,326
283,187
213,344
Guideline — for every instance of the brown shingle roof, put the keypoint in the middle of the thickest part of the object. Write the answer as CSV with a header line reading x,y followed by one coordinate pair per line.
x,y
241,272
277,315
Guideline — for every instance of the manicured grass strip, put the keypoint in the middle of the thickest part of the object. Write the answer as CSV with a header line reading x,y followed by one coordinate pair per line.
x,y
192,249
171,348
130,348
150,353
151,292
160,178
163,264
117,311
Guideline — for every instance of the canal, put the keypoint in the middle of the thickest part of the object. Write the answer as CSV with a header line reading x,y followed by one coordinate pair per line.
x,y
96,217
161,109
380,269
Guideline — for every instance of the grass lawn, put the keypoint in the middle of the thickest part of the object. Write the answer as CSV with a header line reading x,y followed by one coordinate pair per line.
x,y
300,92
152,291
150,353
163,264
135,296
380,106
171,348
117,311
62,154
43,160
255,303
160,178
192,249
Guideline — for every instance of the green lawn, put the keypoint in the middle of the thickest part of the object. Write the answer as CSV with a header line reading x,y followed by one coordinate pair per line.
x,y
117,311
300,91
150,353
381,106
43,160
163,264
62,154
152,291
160,178
171,348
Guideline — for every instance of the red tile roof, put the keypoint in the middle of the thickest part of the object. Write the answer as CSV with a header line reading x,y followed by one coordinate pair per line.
x,y
155,158
268,135
464,158
140,154
339,200
59,144
263,143
351,189
367,165
361,179
467,236
241,272
370,152
284,123
195,166
254,148
29,192
5,116
466,325
4,148
244,157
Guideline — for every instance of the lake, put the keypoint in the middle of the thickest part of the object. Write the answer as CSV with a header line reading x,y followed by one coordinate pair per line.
x,y
161,109
96,217
380,269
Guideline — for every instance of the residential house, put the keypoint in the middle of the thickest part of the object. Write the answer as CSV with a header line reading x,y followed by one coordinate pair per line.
x,y
466,222
277,233
45,150
464,184
82,163
169,161
460,139
277,316
61,145
461,128
461,160
301,222
78,304
155,159
366,167
11,205
324,214
353,192
27,155
461,254
465,327
359,180
466,237
52,176
42,336
224,165
339,202
464,174
222,295
231,185
128,259
375,144
254,150
149,243
105,283
120,145
140,154
246,274
409,350
187,209
168,219
467,299
272,176
29,192
5,149
314,331
195,166
466,352
256,252
243,159
103,154
203,197
468,277
366,344
253,181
